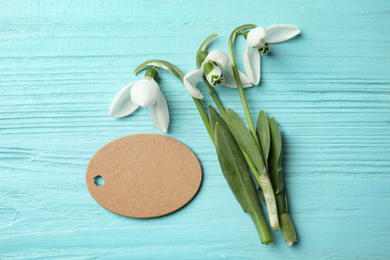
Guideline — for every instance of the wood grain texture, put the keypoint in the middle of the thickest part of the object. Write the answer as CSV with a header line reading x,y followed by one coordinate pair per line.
x,y
62,62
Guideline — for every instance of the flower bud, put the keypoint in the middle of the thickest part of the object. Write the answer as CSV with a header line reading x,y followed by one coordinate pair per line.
x,y
213,74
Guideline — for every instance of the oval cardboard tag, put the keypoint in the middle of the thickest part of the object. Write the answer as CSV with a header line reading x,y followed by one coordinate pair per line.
x,y
144,175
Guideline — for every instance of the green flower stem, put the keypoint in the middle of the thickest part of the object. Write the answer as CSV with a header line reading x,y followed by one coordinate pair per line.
x,y
215,97
262,228
281,203
175,71
203,115
238,80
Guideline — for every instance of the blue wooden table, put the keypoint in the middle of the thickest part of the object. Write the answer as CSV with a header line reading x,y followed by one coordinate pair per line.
x,y
62,62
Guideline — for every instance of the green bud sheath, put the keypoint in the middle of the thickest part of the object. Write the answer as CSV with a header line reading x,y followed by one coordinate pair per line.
x,y
203,47
275,170
151,72
240,181
201,56
288,229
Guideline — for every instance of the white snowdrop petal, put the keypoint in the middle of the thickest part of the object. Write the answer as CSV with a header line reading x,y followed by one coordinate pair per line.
x,y
145,92
230,81
245,81
122,105
252,64
219,57
228,75
281,32
159,113
255,36
190,81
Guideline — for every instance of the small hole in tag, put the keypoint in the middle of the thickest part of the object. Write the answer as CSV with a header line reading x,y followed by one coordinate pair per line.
x,y
98,180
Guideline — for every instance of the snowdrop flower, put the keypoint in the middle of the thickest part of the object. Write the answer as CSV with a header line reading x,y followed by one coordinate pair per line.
x,y
258,40
144,93
217,70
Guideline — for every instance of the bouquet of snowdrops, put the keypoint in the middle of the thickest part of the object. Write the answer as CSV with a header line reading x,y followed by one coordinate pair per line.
x,y
250,159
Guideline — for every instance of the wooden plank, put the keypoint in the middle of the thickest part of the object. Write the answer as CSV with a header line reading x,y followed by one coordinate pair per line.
x,y
62,62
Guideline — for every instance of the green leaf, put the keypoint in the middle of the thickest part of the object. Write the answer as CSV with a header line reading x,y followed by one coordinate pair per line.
x,y
245,140
263,135
216,118
235,169
248,145
275,157
236,173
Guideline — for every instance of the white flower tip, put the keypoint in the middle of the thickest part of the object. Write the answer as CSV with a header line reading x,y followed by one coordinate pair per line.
x,y
160,114
255,36
194,92
200,96
247,85
281,32
162,128
252,65
122,105
190,81
112,114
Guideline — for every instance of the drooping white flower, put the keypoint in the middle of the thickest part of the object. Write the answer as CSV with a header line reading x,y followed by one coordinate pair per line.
x,y
145,93
217,70
258,40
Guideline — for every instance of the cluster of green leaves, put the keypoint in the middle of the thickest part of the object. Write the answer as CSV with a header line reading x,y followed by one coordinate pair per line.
x,y
236,148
